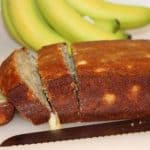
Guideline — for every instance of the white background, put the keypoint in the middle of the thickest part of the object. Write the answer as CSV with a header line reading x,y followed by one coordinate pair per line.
x,y
136,141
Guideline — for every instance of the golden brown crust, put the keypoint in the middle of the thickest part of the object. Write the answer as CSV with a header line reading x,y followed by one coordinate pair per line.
x,y
6,112
19,94
28,105
113,79
51,63
58,83
8,75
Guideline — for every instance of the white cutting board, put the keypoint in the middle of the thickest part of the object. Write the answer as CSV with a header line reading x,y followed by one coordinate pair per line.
x,y
136,141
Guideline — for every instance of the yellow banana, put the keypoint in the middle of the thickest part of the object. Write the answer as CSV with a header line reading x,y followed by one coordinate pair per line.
x,y
30,25
12,31
70,24
128,16
111,25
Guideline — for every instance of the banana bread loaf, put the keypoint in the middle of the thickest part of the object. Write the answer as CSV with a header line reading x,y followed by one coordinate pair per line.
x,y
113,79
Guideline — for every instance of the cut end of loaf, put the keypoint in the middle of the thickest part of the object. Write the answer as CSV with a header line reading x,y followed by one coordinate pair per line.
x,y
27,68
67,59
23,86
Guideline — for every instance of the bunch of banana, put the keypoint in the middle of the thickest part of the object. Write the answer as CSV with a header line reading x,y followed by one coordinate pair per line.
x,y
35,23
70,24
26,25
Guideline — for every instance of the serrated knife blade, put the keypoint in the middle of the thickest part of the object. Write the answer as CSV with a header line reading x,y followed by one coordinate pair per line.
x,y
104,129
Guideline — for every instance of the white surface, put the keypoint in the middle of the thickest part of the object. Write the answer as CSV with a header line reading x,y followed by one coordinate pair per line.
x,y
136,141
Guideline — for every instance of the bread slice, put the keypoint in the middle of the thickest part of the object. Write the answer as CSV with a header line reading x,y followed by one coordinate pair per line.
x,y
20,82
113,79
56,71
6,110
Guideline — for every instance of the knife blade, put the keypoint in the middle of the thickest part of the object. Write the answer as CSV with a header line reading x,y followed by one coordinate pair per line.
x,y
104,129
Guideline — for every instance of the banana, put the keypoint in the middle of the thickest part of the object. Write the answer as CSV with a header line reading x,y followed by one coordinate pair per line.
x,y
107,25
30,25
70,24
126,35
111,25
128,16
12,31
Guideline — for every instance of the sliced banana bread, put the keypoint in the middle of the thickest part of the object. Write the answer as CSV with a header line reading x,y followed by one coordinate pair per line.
x,y
20,83
113,79
6,110
55,69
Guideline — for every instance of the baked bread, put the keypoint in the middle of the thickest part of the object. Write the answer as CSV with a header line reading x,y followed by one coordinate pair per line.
x,y
55,69
113,79
105,80
20,83
6,110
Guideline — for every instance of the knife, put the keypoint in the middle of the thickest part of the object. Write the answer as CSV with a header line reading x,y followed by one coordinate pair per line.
x,y
111,128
